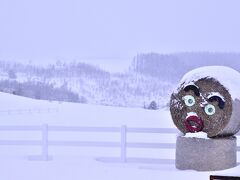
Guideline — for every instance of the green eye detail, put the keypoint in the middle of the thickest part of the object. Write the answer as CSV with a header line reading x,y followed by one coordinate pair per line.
x,y
210,109
189,100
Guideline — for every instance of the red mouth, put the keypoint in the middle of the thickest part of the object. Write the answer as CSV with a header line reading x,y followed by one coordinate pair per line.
x,y
194,124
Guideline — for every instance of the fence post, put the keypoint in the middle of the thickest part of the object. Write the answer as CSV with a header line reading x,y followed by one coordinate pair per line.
x,y
45,142
44,146
123,143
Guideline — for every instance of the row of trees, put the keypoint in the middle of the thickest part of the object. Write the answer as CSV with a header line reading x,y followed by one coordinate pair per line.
x,y
59,69
171,67
39,90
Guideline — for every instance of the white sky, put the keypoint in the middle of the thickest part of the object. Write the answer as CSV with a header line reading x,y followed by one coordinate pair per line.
x,y
50,30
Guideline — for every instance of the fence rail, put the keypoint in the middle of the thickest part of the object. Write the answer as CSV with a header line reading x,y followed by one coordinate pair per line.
x,y
28,111
44,142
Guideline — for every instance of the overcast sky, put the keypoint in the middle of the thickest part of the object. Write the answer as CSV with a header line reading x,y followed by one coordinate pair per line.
x,y
115,29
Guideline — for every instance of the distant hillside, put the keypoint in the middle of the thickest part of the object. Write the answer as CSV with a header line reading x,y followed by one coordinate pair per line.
x,y
80,82
149,81
172,67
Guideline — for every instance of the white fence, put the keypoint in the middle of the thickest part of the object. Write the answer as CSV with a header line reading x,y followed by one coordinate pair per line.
x,y
28,111
45,142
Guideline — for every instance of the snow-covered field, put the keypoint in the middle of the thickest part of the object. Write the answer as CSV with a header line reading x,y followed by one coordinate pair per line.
x,y
74,163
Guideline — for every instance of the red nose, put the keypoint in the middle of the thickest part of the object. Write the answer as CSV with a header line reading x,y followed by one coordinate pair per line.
x,y
193,124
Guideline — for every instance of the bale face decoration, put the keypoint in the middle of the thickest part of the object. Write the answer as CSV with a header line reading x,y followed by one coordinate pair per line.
x,y
208,100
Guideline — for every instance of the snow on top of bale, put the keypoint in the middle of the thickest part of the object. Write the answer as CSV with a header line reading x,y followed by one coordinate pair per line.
x,y
228,77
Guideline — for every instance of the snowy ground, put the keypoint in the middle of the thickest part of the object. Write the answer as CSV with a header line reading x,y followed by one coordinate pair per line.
x,y
74,163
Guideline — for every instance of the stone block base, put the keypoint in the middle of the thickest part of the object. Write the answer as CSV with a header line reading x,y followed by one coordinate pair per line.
x,y
206,154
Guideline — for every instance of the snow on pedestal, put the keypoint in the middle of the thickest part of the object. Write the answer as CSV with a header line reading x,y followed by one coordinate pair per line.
x,y
201,135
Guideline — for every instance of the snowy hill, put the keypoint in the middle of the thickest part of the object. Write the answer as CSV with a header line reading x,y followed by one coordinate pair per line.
x,y
32,111
80,162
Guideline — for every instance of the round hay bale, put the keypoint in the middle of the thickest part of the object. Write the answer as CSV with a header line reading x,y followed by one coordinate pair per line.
x,y
208,99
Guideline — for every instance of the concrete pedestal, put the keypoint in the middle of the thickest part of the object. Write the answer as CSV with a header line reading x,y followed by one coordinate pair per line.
x,y
206,154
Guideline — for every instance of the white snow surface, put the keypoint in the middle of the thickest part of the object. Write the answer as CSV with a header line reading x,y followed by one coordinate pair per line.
x,y
227,76
215,94
191,114
201,135
74,163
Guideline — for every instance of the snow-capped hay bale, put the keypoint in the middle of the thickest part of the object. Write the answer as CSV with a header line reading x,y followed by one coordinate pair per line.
x,y
208,99
206,154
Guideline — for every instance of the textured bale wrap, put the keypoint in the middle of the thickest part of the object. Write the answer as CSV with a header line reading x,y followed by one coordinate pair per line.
x,y
208,99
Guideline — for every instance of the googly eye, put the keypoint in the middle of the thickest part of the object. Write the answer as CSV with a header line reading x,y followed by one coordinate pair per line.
x,y
210,109
189,100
